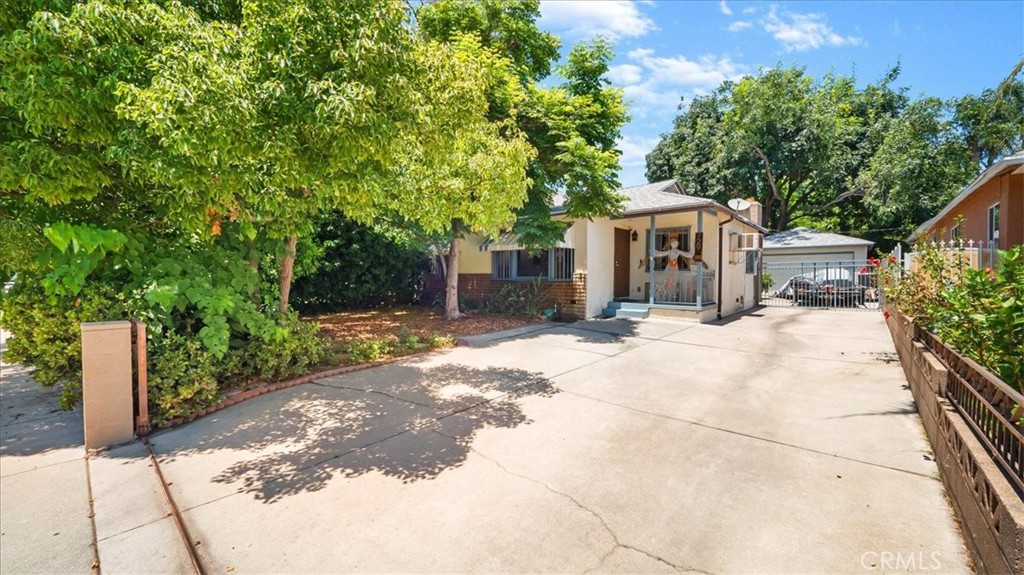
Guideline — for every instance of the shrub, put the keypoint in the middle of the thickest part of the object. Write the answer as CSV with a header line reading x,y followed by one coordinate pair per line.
x,y
291,349
511,299
980,313
358,266
182,377
48,336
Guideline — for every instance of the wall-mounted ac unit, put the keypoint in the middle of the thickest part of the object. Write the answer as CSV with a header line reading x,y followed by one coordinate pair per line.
x,y
746,242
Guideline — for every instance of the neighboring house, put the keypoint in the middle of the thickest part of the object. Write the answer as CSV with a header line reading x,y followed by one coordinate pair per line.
x,y
601,265
992,208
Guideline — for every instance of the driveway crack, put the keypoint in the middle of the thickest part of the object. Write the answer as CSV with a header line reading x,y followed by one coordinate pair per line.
x,y
616,544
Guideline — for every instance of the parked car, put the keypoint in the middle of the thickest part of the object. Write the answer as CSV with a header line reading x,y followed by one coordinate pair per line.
x,y
824,287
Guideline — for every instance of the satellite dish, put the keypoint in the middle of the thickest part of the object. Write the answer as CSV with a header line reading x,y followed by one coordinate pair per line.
x,y
739,204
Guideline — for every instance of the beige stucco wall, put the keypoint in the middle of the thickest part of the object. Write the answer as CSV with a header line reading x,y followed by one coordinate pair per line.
x,y
600,261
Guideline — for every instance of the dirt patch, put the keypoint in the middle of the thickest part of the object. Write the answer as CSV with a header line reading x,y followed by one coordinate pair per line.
x,y
372,324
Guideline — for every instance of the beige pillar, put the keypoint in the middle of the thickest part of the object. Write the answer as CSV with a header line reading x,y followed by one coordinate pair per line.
x,y
107,383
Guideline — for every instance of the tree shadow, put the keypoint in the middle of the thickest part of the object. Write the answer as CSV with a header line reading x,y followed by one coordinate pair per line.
x,y
30,420
406,422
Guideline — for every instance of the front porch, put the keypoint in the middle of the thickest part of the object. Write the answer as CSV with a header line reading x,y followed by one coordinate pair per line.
x,y
663,262
642,310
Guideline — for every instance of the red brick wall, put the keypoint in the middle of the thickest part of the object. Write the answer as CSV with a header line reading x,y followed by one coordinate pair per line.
x,y
570,295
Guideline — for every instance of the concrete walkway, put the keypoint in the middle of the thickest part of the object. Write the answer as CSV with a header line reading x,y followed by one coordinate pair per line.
x,y
45,524
781,441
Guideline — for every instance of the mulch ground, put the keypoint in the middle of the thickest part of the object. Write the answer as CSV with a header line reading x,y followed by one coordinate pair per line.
x,y
371,324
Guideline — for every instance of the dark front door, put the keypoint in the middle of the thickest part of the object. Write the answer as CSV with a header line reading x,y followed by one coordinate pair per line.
x,y
621,263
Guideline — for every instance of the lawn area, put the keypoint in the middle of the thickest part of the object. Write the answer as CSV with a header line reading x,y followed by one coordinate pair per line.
x,y
387,332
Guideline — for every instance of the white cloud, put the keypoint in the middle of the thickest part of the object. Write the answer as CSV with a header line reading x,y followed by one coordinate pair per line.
x,y
739,25
625,74
635,149
750,10
800,32
615,18
659,82
724,8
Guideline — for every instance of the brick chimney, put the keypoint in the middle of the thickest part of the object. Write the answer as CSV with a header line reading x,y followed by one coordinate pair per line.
x,y
753,213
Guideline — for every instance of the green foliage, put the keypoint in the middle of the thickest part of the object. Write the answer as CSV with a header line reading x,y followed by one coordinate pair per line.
x,y
529,299
48,336
828,155
291,350
360,266
978,312
182,378
366,350
767,281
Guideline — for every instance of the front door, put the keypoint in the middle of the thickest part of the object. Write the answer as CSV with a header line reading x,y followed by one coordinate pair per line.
x,y
621,263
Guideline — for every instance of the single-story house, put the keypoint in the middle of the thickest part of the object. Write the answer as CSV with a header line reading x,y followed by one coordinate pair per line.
x,y
666,253
992,208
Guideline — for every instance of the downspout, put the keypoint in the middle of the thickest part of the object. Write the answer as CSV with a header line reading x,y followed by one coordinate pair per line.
x,y
721,231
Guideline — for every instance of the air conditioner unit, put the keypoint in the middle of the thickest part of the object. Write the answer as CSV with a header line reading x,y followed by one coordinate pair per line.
x,y
749,242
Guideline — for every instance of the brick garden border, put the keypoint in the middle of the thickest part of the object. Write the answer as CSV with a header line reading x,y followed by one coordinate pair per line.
x,y
990,511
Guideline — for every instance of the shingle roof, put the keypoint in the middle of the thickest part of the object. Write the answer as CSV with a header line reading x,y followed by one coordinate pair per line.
x,y
808,238
663,196
658,196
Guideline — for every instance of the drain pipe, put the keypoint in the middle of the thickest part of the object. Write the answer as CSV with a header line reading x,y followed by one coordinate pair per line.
x,y
721,231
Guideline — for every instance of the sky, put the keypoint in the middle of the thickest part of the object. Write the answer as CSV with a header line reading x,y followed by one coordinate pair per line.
x,y
668,50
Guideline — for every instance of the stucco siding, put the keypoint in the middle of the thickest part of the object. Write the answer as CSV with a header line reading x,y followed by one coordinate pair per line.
x,y
1008,191
600,262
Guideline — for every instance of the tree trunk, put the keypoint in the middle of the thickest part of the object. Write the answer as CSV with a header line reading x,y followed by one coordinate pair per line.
x,y
451,307
287,263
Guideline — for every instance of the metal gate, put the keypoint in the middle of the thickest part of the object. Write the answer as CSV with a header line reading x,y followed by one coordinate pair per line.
x,y
820,285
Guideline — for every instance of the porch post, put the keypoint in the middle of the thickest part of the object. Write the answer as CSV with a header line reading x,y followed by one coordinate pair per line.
x,y
700,265
650,260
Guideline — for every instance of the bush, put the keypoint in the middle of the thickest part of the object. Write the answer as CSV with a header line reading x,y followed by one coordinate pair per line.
x,y
290,350
358,267
48,337
182,377
980,313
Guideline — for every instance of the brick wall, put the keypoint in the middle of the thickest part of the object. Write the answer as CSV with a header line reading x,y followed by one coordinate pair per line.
x,y
570,295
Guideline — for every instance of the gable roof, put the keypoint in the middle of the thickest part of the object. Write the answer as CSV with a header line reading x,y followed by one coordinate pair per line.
x,y
665,196
808,238
995,169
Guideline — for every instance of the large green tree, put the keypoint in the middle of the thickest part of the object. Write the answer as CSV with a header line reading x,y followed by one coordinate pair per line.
x,y
572,126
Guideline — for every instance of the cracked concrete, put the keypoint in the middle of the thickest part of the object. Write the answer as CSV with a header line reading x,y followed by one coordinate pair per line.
x,y
767,444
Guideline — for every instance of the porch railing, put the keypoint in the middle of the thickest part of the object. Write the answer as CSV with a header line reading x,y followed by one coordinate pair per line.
x,y
990,407
680,286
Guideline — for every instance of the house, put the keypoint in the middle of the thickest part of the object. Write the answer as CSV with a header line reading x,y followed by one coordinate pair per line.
x,y
705,259
991,208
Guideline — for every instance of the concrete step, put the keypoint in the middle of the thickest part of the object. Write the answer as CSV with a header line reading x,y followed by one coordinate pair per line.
x,y
632,313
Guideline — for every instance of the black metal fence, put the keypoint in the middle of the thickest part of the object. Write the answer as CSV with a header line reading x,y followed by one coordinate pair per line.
x,y
820,285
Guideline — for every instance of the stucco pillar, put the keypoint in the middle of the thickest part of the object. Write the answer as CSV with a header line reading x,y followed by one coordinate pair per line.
x,y
700,265
107,406
650,259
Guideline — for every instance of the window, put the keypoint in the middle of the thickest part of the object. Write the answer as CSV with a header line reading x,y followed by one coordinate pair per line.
x,y
954,233
993,223
662,237
556,264
752,262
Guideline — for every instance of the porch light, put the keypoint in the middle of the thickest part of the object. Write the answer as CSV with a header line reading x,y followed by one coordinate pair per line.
x,y
635,236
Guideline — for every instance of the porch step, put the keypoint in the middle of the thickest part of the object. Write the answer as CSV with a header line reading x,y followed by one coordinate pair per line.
x,y
625,309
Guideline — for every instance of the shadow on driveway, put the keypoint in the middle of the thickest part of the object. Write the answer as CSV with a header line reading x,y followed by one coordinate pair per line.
x,y
297,440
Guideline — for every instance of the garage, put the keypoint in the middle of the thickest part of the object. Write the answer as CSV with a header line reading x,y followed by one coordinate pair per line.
x,y
833,267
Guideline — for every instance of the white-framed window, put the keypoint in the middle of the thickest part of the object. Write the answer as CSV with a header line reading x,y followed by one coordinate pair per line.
x,y
555,264
662,237
954,233
993,223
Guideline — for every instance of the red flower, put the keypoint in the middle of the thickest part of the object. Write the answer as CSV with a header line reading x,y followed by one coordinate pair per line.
x,y
892,259
886,314
864,270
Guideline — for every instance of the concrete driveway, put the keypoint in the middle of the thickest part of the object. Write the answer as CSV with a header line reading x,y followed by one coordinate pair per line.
x,y
781,441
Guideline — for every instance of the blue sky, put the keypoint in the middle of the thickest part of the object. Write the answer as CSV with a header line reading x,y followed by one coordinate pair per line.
x,y
671,49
